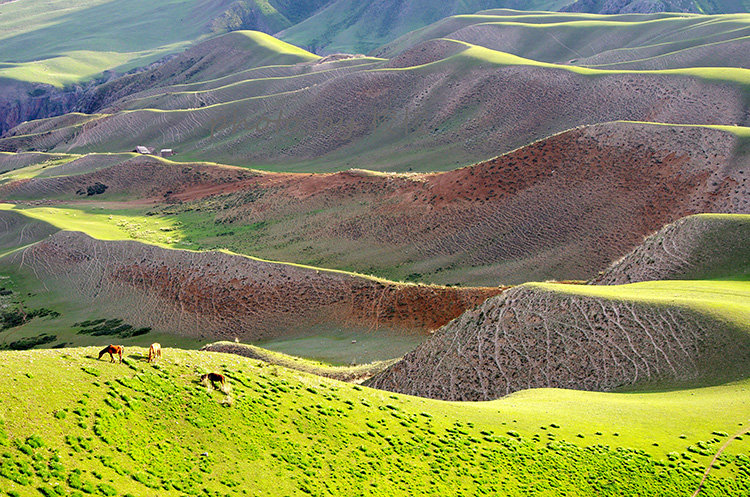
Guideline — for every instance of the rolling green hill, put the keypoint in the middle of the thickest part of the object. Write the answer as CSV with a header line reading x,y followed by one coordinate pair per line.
x,y
646,6
394,116
43,41
78,425
466,303
659,41
358,26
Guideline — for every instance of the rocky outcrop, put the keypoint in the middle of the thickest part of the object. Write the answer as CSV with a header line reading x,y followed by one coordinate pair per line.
x,y
21,102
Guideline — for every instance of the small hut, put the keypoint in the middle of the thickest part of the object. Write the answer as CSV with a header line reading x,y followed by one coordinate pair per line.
x,y
166,152
140,149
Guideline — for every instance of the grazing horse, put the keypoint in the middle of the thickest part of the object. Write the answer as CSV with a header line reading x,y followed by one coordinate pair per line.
x,y
154,352
112,350
215,378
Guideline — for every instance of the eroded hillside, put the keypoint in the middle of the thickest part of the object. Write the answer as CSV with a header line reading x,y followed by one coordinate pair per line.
x,y
220,295
562,208
696,247
540,337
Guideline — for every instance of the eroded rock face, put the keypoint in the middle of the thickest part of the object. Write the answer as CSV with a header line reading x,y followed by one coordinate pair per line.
x,y
21,102
219,295
695,247
533,338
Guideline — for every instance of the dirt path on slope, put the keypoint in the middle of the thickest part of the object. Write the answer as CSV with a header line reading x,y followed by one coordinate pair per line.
x,y
710,465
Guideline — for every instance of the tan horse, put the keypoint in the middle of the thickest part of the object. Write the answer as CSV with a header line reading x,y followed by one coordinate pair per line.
x,y
154,352
112,350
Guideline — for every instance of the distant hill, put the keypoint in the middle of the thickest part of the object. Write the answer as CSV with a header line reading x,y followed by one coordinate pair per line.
x,y
650,6
437,106
359,26
560,208
622,41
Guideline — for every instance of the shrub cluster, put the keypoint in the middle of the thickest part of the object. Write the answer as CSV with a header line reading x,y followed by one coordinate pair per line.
x,y
110,327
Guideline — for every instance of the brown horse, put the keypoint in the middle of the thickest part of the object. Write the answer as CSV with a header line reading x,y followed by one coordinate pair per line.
x,y
215,378
112,350
154,352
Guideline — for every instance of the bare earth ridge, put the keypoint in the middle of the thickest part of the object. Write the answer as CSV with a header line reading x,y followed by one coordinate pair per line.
x,y
219,295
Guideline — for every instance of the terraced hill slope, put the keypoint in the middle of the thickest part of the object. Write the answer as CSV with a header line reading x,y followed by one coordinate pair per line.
x,y
658,41
561,208
646,6
141,429
646,334
698,247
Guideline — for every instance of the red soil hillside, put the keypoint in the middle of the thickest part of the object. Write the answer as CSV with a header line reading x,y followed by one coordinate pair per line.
x,y
218,295
560,208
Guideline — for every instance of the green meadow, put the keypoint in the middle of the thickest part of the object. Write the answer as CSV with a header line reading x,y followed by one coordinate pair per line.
x,y
72,425
297,417
726,299
59,43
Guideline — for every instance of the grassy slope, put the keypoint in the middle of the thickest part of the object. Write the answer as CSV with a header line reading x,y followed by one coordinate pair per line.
x,y
474,54
357,26
541,22
632,42
343,373
700,6
729,300
41,41
72,422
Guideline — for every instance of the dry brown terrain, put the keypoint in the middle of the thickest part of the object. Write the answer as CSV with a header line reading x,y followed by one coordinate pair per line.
x,y
693,248
533,338
560,208
221,296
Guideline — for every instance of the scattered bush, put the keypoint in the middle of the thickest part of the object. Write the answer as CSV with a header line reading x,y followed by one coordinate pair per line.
x,y
95,189
12,318
29,342
110,327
